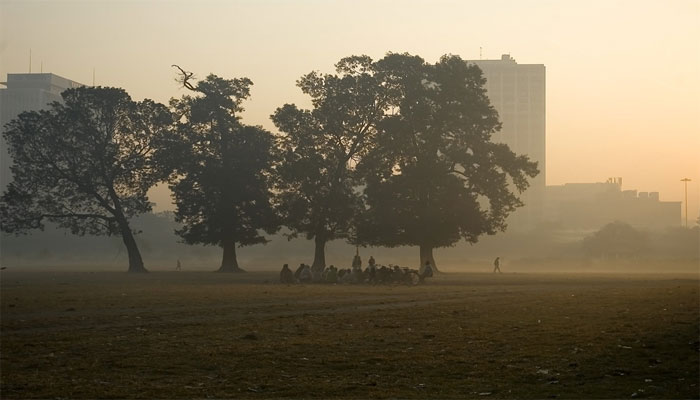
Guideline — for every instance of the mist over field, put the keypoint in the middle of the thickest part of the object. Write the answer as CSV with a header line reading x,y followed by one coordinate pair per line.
x,y
539,250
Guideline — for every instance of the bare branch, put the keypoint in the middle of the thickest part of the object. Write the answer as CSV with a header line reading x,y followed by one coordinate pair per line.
x,y
185,78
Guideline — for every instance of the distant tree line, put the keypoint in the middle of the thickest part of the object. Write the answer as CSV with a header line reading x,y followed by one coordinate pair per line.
x,y
618,240
394,152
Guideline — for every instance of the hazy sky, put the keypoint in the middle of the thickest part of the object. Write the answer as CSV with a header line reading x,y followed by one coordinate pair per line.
x,y
623,77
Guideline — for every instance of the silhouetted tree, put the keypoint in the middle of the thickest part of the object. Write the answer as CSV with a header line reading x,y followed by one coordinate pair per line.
x,y
616,239
222,169
435,176
85,165
321,147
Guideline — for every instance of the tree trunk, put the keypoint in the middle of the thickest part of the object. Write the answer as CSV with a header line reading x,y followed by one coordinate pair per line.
x,y
319,254
135,260
229,263
426,254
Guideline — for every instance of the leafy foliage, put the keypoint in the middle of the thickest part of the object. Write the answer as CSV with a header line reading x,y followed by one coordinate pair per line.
x,y
85,165
435,176
222,168
321,147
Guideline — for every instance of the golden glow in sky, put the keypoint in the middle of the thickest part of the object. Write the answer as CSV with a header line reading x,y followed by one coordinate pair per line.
x,y
623,77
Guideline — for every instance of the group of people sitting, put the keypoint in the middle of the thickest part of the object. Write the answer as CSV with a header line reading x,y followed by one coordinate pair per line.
x,y
373,274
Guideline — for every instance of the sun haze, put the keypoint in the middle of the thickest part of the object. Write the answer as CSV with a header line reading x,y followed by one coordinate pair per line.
x,y
623,78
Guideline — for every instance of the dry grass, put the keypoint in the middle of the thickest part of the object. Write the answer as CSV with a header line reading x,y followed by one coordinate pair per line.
x,y
197,335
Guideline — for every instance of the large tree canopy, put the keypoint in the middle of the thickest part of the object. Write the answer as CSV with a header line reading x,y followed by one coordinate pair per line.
x,y
320,148
222,169
85,165
435,176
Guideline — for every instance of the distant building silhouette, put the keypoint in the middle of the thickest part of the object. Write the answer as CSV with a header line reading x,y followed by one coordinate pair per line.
x,y
26,92
517,92
590,206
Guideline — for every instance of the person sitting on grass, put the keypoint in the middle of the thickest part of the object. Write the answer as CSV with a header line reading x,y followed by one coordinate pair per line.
x,y
286,275
332,274
317,274
371,274
305,275
397,274
297,273
347,276
383,274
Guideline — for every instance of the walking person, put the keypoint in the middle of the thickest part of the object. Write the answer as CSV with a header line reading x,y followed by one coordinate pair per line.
x,y
497,265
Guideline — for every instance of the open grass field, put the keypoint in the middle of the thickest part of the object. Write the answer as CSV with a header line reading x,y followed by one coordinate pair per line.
x,y
202,335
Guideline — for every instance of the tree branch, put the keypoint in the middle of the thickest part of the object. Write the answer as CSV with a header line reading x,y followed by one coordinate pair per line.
x,y
185,78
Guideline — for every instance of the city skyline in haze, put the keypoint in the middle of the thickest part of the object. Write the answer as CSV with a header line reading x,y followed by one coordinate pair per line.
x,y
623,78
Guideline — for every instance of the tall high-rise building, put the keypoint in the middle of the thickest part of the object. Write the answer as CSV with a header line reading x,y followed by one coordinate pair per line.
x,y
517,92
26,92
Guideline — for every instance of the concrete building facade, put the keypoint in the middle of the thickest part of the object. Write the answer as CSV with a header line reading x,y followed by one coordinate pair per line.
x,y
590,206
517,92
26,92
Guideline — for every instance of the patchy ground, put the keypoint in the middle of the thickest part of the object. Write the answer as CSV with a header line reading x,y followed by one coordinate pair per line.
x,y
186,335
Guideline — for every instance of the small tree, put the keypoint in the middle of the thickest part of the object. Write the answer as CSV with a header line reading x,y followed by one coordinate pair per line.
x,y
222,169
616,239
435,176
321,147
85,165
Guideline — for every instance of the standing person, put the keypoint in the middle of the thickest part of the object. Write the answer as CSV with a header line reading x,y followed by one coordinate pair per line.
x,y
178,267
356,260
371,271
427,272
497,265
